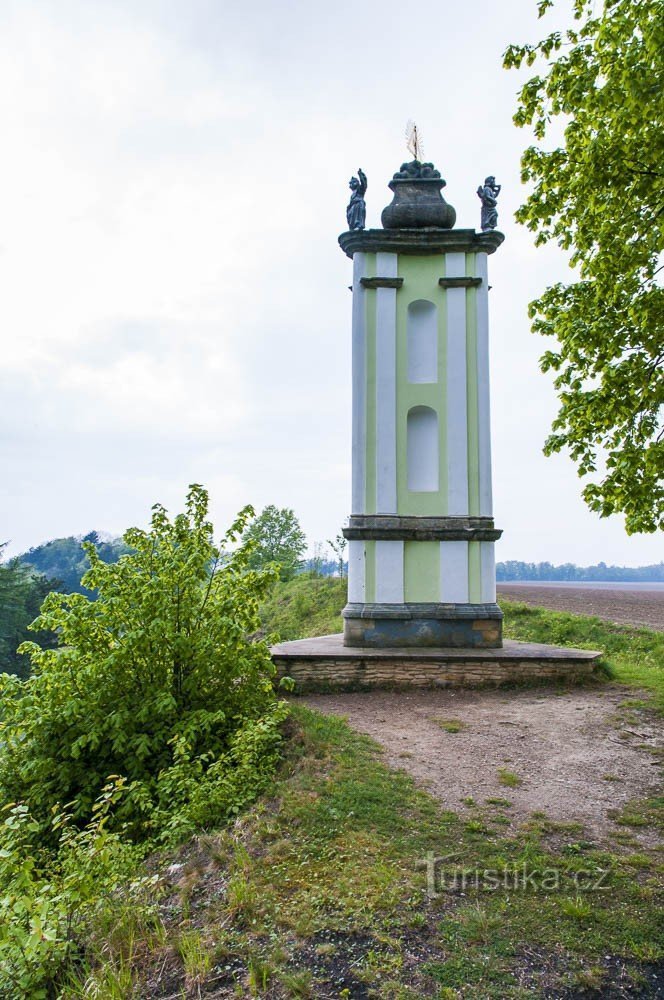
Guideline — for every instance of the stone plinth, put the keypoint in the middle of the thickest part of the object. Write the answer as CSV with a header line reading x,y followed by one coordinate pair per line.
x,y
324,663
436,625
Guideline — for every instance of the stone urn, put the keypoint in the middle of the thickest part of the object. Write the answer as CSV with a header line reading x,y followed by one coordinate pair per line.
x,y
417,201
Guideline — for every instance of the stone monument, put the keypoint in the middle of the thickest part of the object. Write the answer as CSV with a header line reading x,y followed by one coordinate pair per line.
x,y
421,569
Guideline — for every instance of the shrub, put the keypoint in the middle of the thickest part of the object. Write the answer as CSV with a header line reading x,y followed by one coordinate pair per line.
x,y
48,900
158,681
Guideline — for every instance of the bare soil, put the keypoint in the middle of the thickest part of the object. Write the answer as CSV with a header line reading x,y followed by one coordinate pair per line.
x,y
577,754
625,607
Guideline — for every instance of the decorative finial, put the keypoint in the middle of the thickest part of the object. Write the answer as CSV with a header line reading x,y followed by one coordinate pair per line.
x,y
488,195
413,140
356,212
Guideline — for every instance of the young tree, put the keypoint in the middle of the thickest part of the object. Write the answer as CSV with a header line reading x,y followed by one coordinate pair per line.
x,y
276,537
158,680
601,196
317,561
338,546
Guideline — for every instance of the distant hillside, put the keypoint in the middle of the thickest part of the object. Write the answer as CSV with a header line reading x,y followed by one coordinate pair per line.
x,y
63,559
514,570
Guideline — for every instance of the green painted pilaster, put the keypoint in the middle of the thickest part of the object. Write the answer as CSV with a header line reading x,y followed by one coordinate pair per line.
x,y
474,573
370,572
422,571
421,276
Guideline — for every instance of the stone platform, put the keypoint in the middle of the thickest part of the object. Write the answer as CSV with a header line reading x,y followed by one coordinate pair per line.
x,y
324,663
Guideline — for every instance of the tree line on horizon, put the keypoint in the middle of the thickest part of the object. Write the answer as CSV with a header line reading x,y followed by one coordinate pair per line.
x,y
513,570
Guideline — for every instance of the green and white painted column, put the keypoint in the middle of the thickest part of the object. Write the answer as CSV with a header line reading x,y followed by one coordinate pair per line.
x,y
421,533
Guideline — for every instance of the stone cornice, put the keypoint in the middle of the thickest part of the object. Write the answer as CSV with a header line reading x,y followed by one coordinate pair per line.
x,y
459,282
391,527
381,282
419,241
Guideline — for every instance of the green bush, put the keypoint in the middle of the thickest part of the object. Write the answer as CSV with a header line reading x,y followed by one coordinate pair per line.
x,y
157,680
47,901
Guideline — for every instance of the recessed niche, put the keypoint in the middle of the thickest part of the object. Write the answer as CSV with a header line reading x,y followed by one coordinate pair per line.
x,y
422,445
422,330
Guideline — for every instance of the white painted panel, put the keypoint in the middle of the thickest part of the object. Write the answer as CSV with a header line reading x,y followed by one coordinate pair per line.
x,y
454,572
356,572
386,388
457,418
422,335
386,265
488,572
483,391
389,572
422,448
359,364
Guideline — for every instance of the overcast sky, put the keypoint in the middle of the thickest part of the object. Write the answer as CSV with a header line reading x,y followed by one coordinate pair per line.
x,y
174,307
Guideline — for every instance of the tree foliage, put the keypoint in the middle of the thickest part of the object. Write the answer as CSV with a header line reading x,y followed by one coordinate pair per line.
x,y
21,594
157,681
338,545
600,195
48,902
66,559
276,537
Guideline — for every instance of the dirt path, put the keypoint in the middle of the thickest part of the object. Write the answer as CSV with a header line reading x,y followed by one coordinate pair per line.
x,y
626,607
562,747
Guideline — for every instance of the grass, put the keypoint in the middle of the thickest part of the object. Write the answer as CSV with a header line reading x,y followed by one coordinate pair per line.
x,y
327,887
304,607
508,778
450,725
348,881
632,656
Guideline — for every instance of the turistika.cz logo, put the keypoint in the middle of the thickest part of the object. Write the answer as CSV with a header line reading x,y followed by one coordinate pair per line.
x,y
444,876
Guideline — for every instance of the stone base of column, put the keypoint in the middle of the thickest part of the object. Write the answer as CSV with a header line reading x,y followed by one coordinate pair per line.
x,y
461,626
326,664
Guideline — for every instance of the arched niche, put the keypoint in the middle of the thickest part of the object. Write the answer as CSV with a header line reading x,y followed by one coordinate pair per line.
x,y
422,449
422,335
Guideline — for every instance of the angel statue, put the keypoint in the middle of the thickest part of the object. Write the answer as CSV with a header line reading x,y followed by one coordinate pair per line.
x,y
356,213
488,195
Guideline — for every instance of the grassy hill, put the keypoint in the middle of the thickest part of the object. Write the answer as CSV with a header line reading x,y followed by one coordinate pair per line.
x,y
305,606
319,889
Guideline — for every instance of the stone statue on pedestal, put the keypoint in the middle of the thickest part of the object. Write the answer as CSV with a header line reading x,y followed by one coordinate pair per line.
x,y
356,213
488,195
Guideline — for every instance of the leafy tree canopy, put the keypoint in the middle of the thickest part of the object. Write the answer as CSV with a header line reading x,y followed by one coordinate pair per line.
x,y
600,195
276,537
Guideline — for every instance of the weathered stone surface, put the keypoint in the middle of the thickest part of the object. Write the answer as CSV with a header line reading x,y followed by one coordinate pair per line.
x,y
421,529
459,282
381,282
420,241
417,202
325,663
440,629
420,624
